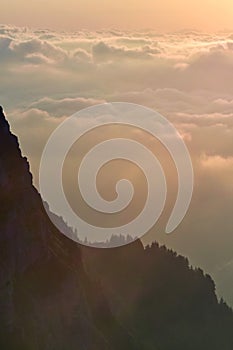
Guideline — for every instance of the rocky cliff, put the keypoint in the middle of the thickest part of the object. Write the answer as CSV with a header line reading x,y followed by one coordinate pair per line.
x,y
56,294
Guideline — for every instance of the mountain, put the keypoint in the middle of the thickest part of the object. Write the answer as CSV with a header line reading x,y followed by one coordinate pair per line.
x,y
57,294
162,301
47,301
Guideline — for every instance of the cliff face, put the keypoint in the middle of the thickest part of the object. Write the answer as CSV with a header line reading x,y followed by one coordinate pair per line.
x,y
46,299
20,245
55,294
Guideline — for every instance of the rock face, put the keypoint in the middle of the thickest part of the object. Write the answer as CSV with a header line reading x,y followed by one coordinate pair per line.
x,y
55,294
47,301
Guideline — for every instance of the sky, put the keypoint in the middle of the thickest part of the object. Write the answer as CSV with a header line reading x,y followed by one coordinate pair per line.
x,y
157,54
164,15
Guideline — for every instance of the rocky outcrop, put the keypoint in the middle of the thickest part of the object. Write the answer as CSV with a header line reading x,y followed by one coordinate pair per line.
x,y
46,299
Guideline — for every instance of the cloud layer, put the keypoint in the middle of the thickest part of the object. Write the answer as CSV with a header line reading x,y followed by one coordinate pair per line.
x,y
188,77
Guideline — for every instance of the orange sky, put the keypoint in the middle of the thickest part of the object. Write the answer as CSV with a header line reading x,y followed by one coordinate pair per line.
x,y
128,14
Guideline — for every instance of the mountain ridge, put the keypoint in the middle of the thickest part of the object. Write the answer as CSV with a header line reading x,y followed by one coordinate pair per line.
x,y
34,247
56,294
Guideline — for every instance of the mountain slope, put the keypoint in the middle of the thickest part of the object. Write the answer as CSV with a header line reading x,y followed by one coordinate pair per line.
x,y
46,298
162,301
55,294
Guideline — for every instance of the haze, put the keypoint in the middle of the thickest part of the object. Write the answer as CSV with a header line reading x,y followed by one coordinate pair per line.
x,y
164,15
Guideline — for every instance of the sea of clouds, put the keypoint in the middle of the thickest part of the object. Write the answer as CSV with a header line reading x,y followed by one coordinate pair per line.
x,y
46,76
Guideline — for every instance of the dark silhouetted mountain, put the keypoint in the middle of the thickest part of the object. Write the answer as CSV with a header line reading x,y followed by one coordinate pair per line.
x,y
47,301
56,294
162,301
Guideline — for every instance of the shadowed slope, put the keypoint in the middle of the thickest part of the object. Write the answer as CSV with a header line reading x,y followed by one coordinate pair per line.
x,y
47,301
55,294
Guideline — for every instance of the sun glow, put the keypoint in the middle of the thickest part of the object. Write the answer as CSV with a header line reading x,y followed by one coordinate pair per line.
x,y
164,15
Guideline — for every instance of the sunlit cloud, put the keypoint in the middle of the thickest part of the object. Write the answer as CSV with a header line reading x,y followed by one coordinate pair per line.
x,y
187,76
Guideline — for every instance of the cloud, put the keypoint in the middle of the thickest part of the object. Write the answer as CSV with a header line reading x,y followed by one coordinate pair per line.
x,y
64,107
24,51
218,163
186,76
104,52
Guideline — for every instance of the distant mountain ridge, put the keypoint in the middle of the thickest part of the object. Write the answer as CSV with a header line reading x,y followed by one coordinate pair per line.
x,y
56,294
